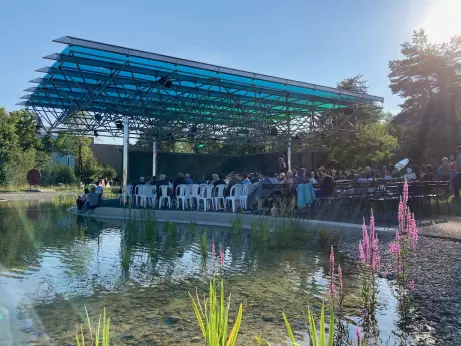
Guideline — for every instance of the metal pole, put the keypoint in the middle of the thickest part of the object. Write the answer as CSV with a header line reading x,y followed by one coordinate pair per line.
x,y
126,143
289,155
289,136
154,159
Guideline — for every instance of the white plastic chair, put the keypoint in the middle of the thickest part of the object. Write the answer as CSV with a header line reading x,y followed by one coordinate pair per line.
x,y
244,196
219,195
206,194
182,195
194,194
164,196
147,196
138,191
235,194
126,196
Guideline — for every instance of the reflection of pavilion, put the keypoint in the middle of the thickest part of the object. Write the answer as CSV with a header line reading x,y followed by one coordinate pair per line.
x,y
104,90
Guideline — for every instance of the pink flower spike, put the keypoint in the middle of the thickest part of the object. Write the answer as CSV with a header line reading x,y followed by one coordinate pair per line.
x,y
412,285
394,249
221,256
332,270
405,191
362,252
357,334
213,250
340,279
366,240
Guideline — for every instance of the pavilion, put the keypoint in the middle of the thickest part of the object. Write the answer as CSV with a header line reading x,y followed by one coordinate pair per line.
x,y
99,89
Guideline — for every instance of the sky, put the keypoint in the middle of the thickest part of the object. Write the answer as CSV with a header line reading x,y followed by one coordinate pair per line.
x,y
320,42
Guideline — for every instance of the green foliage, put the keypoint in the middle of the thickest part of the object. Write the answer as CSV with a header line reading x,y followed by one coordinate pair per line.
x,y
109,173
63,175
428,78
236,224
204,246
213,317
101,335
316,338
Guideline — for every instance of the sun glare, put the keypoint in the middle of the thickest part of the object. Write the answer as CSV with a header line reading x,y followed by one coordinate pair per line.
x,y
443,20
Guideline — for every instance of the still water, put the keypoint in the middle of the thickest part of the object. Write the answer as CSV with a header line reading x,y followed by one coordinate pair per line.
x,y
54,264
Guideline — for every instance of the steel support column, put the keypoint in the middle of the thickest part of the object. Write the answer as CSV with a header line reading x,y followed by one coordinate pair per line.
x,y
126,143
289,155
289,135
154,159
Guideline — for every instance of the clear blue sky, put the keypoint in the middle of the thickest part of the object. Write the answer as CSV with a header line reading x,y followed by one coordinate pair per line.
x,y
315,41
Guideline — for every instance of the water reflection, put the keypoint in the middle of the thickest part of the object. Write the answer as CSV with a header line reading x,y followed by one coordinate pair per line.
x,y
54,265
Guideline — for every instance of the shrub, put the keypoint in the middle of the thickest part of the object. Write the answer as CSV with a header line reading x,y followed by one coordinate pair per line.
x,y
63,175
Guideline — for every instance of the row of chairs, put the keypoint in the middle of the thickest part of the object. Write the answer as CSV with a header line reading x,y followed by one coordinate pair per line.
x,y
187,196
388,194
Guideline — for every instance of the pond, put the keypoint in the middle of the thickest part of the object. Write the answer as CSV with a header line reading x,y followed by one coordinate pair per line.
x,y
54,264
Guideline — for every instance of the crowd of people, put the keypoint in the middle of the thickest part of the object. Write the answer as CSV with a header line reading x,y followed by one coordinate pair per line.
x,y
92,196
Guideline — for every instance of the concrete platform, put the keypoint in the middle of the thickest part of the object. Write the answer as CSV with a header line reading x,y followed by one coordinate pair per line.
x,y
218,219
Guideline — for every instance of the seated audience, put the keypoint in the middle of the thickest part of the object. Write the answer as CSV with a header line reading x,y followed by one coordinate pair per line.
x,y
429,176
234,179
160,182
92,198
410,174
313,180
245,179
301,178
256,178
188,179
214,178
221,180
281,177
444,170
82,199
179,181
99,188
327,185
363,177
341,176
289,178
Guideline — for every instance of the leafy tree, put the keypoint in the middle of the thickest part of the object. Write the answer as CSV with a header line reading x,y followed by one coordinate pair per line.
x,y
372,143
428,78
63,175
108,173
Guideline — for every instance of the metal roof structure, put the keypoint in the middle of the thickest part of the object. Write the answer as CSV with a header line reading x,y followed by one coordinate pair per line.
x,y
93,86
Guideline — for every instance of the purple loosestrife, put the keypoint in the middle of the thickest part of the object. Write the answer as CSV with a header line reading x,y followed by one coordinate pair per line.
x,y
366,241
332,271
412,285
213,250
357,334
340,280
221,256
369,246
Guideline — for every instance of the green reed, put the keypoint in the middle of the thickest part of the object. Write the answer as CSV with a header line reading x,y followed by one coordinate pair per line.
x,y
213,317
204,245
125,257
317,338
170,226
64,200
236,224
101,334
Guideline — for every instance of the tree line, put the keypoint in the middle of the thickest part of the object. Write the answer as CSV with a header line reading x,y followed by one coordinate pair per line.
x,y
23,147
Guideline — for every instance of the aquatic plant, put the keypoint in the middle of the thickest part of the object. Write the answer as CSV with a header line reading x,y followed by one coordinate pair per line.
x,y
236,224
170,226
125,258
64,200
101,334
401,249
192,227
221,256
213,316
331,286
204,245
316,338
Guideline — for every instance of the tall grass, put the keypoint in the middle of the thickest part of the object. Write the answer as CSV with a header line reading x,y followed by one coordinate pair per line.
x,y
316,338
101,334
236,224
204,245
213,317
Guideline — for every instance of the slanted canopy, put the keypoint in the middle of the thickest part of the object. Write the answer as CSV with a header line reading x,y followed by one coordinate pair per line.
x,y
93,86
